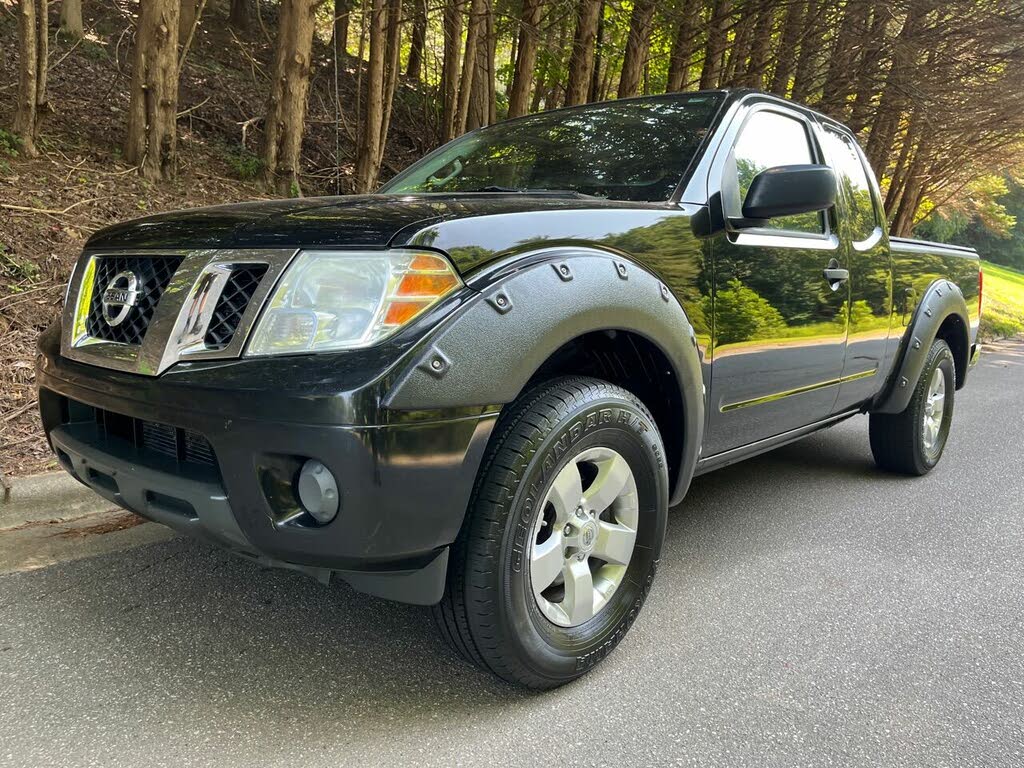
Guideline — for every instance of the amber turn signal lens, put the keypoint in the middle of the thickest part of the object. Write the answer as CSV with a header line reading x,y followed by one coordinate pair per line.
x,y
419,284
425,262
401,312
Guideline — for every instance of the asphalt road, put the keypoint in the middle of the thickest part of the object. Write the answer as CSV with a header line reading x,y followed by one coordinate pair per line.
x,y
810,610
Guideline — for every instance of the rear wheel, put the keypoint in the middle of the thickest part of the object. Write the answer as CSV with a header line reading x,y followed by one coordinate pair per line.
x,y
912,442
562,537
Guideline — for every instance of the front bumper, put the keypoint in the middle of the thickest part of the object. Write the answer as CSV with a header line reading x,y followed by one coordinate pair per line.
x,y
404,478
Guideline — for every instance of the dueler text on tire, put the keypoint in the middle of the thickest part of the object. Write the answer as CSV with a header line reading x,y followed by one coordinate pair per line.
x,y
563,534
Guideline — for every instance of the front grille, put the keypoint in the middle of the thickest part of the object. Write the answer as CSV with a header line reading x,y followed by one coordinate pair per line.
x,y
185,446
238,292
153,273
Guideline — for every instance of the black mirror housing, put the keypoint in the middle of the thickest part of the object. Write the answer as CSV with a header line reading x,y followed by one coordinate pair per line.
x,y
786,190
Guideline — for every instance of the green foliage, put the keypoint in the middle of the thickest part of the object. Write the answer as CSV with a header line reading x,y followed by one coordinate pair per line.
x,y
993,222
245,164
743,314
94,50
15,269
9,143
861,316
1003,311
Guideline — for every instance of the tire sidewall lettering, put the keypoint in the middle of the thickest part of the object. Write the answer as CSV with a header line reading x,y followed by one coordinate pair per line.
x,y
553,459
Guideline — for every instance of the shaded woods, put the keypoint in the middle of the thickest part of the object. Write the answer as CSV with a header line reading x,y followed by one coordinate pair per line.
x,y
111,109
934,89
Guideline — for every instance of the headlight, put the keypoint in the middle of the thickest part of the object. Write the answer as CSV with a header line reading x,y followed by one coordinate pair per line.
x,y
330,300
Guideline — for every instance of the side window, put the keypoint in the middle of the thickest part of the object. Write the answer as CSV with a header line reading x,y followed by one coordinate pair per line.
x,y
853,178
769,139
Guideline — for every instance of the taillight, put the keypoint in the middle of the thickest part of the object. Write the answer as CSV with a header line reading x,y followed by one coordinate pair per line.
x,y
981,282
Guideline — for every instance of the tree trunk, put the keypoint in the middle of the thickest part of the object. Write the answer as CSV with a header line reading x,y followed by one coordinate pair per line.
x,y
683,46
538,90
152,137
450,67
418,41
26,116
760,47
474,30
638,43
717,31
595,76
492,70
581,62
342,22
286,105
812,43
42,61
739,52
186,18
839,80
868,68
913,192
368,148
71,18
526,58
393,41
890,105
238,17
785,59
479,113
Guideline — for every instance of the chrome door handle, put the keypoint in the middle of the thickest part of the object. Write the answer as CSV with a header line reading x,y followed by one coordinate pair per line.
x,y
835,275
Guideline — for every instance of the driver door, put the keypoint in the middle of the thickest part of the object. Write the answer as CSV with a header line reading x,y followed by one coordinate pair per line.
x,y
779,328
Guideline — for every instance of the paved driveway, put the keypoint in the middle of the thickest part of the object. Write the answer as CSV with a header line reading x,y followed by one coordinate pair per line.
x,y
810,610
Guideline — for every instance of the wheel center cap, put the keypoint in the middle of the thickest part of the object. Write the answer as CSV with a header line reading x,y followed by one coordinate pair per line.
x,y
588,536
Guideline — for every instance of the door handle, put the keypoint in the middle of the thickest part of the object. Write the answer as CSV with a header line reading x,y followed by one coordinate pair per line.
x,y
835,275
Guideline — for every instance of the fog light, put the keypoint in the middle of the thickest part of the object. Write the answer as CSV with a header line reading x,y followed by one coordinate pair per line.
x,y
318,491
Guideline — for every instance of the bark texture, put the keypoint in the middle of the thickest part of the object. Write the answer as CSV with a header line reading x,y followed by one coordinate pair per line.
x,y
526,58
152,138
71,18
638,44
581,61
286,104
32,71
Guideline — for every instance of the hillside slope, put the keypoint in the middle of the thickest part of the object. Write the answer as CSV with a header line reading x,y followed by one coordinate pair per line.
x,y
49,205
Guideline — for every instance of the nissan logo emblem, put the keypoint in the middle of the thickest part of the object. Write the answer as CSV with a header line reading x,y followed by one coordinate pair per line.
x,y
121,294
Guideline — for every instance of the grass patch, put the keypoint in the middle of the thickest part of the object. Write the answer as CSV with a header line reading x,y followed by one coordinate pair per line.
x,y
1002,314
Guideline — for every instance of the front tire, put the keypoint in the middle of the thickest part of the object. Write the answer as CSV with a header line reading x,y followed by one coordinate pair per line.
x,y
911,442
562,537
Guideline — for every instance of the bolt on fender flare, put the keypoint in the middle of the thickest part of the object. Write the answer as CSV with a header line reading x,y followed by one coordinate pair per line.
x,y
942,299
494,344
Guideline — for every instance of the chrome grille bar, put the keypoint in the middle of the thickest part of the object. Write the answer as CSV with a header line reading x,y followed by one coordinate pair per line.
x,y
182,316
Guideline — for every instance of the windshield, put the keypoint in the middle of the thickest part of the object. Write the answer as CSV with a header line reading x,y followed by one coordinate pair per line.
x,y
629,150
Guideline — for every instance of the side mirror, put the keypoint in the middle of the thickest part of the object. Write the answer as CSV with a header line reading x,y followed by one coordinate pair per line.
x,y
786,190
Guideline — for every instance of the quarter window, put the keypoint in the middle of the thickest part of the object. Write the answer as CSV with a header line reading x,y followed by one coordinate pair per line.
x,y
853,179
769,139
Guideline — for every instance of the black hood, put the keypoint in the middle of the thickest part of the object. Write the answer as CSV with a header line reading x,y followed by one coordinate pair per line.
x,y
369,220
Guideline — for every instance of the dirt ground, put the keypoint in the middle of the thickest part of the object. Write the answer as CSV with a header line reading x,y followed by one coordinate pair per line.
x,y
49,205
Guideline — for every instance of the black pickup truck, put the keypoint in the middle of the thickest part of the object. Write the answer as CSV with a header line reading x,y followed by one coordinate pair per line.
x,y
483,388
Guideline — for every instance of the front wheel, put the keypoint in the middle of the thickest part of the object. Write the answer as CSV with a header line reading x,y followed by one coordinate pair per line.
x,y
563,534
912,442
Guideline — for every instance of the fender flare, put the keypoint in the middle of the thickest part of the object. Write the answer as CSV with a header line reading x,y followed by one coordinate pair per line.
x,y
941,300
528,308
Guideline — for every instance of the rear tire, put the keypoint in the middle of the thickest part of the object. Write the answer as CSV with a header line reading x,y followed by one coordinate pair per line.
x,y
544,579
911,442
